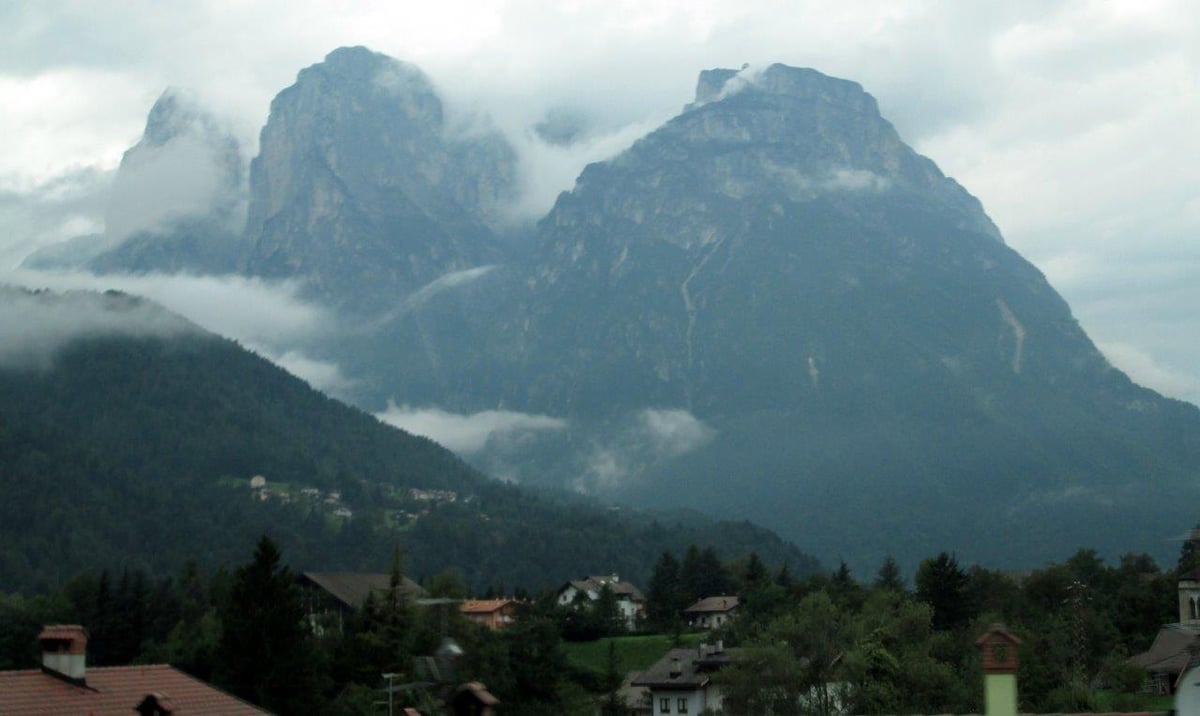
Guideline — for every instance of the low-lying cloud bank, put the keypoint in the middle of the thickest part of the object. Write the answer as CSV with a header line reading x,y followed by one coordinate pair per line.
x,y
467,434
35,326
248,310
266,317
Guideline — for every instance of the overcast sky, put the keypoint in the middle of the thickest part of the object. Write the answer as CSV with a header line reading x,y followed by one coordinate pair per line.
x,y
1076,123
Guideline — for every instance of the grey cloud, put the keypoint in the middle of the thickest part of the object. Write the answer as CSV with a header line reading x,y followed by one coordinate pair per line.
x,y
248,310
444,283
467,434
324,376
67,206
35,326
675,432
1150,372
647,438
157,184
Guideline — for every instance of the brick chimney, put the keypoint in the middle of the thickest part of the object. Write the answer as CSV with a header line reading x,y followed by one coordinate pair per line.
x,y
64,651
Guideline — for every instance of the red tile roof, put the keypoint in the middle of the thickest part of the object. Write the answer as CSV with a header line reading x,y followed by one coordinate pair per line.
x,y
483,606
114,690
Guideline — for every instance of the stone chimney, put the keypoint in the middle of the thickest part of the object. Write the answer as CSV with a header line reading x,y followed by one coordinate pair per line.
x,y
64,651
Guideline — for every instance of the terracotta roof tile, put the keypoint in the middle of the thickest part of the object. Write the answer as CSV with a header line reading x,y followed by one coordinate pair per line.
x,y
114,690
483,606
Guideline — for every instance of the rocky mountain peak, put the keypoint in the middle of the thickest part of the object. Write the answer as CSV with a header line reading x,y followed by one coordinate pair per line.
x,y
178,112
350,72
784,80
359,175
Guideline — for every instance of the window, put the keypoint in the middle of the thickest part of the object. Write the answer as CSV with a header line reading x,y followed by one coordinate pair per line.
x,y
664,706
682,703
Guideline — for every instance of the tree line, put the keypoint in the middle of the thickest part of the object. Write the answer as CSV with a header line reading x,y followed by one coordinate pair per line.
x,y
886,646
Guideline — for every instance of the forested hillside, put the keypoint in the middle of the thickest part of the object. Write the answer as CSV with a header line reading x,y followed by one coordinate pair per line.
x,y
134,449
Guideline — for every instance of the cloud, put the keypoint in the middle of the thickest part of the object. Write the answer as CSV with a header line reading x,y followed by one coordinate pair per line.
x,y
1144,369
158,183
265,317
647,438
548,168
467,434
804,187
67,206
675,432
250,310
443,283
35,326
324,376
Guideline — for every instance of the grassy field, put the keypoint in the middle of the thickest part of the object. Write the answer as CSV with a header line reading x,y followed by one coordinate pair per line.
x,y
1106,701
633,652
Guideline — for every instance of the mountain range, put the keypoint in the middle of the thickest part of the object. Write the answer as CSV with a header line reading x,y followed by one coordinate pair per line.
x,y
768,308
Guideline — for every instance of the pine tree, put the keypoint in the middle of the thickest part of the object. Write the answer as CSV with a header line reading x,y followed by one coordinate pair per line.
x,y
889,577
265,654
942,584
664,598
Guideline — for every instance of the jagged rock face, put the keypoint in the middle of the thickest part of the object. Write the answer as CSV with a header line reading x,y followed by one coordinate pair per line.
x,y
363,191
844,322
774,245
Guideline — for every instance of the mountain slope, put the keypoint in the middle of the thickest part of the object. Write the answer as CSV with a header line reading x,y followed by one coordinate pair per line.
x,y
870,367
132,438
769,308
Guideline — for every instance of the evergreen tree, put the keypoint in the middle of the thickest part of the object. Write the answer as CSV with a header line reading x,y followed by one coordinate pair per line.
x,y
754,574
889,576
783,577
844,590
942,584
703,575
265,654
664,599
690,579
608,613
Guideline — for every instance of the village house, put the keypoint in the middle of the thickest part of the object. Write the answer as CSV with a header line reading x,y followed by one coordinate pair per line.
x,y
491,613
64,685
1168,658
330,596
681,681
711,612
630,602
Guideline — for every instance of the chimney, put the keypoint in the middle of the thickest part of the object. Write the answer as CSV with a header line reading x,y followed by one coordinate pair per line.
x,y
675,670
64,651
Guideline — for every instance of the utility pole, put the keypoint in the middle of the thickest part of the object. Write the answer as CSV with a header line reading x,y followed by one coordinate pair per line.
x,y
1078,601
391,692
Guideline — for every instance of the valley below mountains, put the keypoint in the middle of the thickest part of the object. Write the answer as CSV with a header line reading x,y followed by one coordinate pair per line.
x,y
770,308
